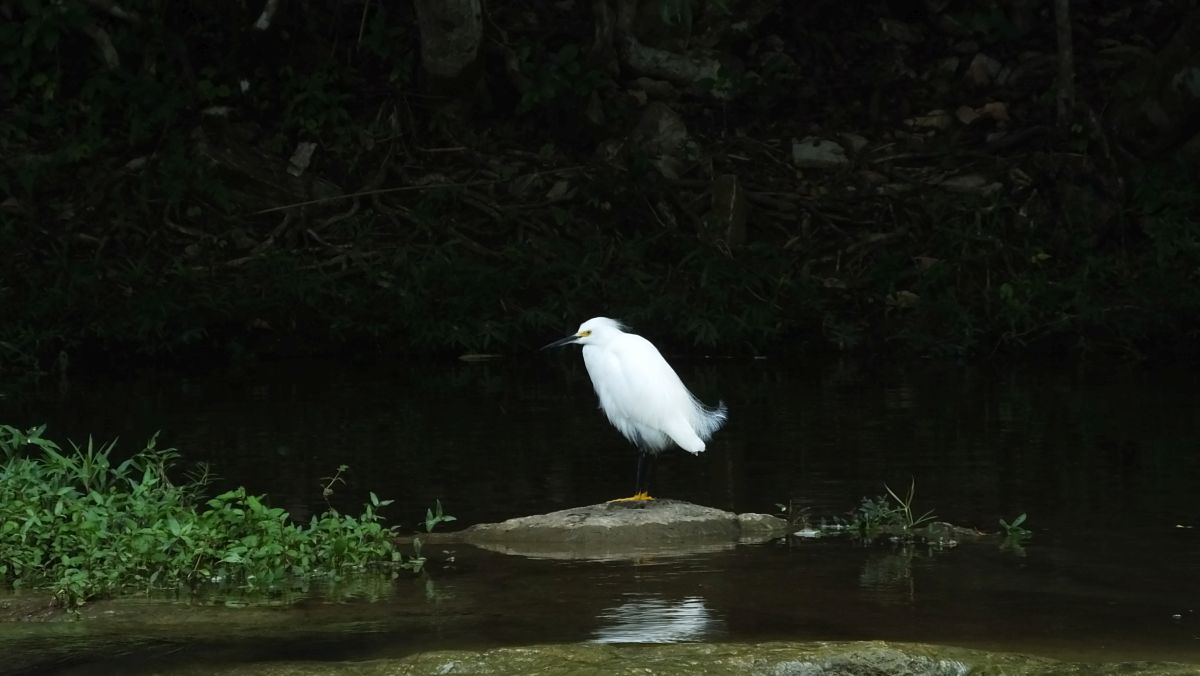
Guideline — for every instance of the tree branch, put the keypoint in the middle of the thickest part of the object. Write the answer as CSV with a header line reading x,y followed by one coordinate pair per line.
x,y
1065,96
268,14
112,9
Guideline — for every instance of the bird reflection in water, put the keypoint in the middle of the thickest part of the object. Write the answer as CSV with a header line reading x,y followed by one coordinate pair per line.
x,y
655,619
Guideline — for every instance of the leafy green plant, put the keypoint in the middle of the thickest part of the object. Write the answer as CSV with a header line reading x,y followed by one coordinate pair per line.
x,y
1015,531
317,102
988,21
435,516
77,524
888,511
1015,535
329,482
872,514
558,78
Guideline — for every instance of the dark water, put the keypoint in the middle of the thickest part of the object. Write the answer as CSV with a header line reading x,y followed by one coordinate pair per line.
x,y
1106,462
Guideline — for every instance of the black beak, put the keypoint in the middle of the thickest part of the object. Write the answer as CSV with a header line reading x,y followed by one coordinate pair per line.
x,y
565,341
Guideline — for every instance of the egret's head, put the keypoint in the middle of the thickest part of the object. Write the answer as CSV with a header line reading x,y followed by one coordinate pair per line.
x,y
594,331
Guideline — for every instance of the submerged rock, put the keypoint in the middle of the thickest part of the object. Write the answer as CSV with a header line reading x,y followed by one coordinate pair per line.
x,y
873,658
620,529
818,153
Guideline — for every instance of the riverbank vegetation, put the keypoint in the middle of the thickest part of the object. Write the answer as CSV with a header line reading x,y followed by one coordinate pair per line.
x,y
79,524
892,518
237,181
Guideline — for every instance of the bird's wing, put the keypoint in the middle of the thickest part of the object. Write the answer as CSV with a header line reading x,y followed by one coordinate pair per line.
x,y
652,395
651,387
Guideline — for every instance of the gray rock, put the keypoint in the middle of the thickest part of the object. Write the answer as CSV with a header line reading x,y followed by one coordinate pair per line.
x,y
982,70
620,529
971,184
661,131
854,142
451,33
752,524
909,33
660,90
818,153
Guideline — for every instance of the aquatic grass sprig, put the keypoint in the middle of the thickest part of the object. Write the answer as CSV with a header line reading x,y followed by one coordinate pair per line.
x,y
907,520
78,525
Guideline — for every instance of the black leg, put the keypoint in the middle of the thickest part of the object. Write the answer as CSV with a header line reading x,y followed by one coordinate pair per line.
x,y
645,472
651,464
641,467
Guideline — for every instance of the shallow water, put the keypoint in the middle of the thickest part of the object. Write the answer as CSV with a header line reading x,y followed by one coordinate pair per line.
x,y
1104,460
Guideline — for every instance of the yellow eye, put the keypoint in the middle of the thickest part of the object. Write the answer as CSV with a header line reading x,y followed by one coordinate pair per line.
x,y
584,334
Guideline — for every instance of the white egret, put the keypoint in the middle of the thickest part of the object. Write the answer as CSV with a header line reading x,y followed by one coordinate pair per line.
x,y
642,395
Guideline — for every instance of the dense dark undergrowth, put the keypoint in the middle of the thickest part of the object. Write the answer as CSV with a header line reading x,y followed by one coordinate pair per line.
x,y
981,294
139,176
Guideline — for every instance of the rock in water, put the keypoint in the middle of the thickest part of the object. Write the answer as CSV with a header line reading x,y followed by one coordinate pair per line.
x,y
615,529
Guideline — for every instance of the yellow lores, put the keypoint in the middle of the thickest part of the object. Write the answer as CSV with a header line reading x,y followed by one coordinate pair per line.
x,y
642,395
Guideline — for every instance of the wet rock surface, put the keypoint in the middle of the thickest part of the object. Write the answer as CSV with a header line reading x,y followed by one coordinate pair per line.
x,y
28,607
809,659
617,529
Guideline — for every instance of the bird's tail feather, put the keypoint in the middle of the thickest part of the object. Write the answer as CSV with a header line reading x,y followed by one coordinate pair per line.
x,y
709,419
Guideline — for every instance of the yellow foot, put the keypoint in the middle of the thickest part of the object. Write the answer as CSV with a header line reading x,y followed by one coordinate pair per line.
x,y
639,497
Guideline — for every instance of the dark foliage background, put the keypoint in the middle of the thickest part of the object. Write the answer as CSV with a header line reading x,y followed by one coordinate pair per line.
x,y
148,210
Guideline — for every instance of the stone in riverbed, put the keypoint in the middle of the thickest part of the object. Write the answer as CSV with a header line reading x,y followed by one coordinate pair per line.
x,y
614,529
864,658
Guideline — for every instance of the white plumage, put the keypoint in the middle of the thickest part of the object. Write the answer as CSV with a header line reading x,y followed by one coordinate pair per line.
x,y
640,393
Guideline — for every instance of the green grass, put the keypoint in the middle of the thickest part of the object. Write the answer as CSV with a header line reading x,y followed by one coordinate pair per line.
x,y
77,524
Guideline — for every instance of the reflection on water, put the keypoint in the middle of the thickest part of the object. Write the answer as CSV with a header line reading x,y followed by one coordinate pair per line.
x,y
1104,461
889,575
654,619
